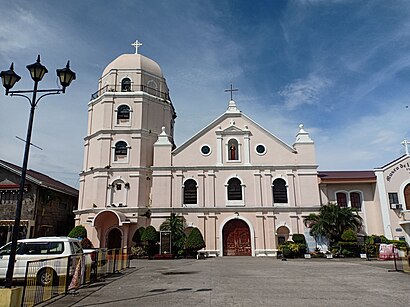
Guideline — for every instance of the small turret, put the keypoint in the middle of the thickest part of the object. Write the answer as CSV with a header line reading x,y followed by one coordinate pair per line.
x,y
305,147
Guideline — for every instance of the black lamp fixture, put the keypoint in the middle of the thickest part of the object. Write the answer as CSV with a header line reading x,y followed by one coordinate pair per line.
x,y
66,75
9,79
37,70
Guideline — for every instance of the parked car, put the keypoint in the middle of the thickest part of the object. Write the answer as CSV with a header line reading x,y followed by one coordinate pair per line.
x,y
38,249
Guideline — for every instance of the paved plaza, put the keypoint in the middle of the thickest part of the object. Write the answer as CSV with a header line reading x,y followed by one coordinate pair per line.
x,y
248,281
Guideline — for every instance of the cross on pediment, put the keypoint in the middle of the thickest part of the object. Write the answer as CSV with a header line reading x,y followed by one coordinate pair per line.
x,y
232,90
136,44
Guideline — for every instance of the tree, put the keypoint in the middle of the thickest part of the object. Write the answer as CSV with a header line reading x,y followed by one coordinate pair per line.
x,y
78,231
136,238
194,242
150,237
176,226
332,221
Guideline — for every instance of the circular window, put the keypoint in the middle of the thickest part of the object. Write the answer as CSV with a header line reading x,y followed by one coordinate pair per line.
x,y
260,149
205,150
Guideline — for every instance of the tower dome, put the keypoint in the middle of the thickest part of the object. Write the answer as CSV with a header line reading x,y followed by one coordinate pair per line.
x,y
134,62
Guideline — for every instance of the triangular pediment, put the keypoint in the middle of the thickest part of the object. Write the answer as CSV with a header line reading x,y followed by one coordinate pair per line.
x,y
232,130
399,162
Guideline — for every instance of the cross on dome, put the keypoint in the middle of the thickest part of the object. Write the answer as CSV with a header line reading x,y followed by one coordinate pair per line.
x,y
136,44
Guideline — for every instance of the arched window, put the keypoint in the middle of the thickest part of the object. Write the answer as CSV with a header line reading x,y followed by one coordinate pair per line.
x,y
355,200
234,189
190,192
123,113
282,234
280,191
120,150
126,85
233,150
341,199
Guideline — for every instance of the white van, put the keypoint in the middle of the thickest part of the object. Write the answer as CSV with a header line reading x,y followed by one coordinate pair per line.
x,y
41,249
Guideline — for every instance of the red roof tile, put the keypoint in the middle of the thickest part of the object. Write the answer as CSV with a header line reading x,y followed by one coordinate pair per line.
x,y
347,175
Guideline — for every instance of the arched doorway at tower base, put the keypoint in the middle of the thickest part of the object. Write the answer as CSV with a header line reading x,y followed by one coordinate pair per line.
x,y
114,238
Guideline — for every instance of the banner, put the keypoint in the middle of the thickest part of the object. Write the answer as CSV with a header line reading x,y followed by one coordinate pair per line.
x,y
386,252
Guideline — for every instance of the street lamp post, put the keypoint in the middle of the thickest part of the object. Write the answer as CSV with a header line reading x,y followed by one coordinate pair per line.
x,y
9,78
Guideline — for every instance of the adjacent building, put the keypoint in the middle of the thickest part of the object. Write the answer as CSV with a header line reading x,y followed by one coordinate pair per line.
x,y
47,204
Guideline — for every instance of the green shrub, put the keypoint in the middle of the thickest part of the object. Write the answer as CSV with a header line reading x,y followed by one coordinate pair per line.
x,y
372,244
299,238
286,252
138,252
150,235
194,242
349,249
291,249
349,236
402,245
136,238
78,232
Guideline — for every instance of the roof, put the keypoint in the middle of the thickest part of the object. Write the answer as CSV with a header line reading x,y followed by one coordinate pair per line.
x,y
347,176
41,179
393,162
134,61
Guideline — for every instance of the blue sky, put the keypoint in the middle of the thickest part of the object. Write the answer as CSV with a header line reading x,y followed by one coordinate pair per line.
x,y
340,67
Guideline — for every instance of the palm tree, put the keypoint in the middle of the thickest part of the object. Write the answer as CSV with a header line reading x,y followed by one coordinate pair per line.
x,y
332,221
176,226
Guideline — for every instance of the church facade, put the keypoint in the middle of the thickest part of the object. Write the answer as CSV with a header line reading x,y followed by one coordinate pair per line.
x,y
244,188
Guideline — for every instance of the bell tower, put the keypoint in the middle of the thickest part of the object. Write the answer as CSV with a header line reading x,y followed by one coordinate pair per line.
x,y
125,117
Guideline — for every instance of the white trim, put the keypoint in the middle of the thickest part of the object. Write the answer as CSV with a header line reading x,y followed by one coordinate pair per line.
x,y
283,224
123,196
210,150
127,123
348,201
384,204
251,230
235,203
127,158
131,83
261,154
183,193
120,216
238,150
402,199
287,191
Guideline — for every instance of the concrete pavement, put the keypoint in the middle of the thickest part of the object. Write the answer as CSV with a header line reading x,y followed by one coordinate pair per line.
x,y
248,281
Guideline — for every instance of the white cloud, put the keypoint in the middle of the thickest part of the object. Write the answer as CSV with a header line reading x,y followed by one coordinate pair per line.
x,y
304,91
370,142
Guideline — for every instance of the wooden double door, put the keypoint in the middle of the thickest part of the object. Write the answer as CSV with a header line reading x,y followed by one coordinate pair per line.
x,y
237,239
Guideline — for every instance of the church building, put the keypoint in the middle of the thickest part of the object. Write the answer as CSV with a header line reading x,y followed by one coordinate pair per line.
x,y
244,188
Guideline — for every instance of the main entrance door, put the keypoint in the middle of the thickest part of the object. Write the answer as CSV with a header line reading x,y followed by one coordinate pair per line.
x,y
237,239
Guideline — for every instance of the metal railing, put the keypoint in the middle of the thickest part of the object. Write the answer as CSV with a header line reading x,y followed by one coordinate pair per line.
x,y
48,278
133,88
